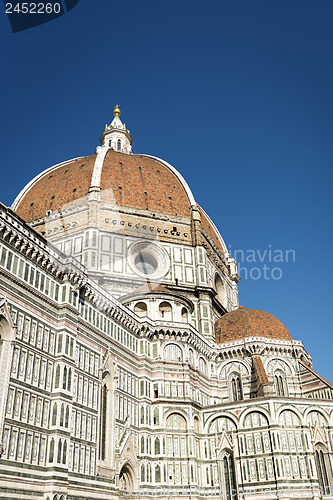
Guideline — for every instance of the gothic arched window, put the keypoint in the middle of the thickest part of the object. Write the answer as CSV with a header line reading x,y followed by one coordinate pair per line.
x,y
323,469
64,380
64,453
236,388
59,451
54,414
57,377
51,452
158,474
156,416
62,414
157,446
118,145
143,473
280,384
228,477
67,416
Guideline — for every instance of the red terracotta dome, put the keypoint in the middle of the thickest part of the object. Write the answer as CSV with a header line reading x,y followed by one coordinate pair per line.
x,y
136,181
243,323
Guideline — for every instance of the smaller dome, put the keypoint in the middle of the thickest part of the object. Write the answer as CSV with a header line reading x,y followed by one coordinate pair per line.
x,y
243,323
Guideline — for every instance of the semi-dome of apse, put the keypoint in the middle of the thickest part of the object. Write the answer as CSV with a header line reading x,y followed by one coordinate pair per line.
x,y
244,323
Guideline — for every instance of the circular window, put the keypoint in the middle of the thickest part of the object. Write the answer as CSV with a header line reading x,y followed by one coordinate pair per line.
x,y
148,259
145,263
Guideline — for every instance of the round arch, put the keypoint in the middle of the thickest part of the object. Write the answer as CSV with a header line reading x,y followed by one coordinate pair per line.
x,y
223,414
319,410
177,348
177,412
290,368
294,410
247,412
229,362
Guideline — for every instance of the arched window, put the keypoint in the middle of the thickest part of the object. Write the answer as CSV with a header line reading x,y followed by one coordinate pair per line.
x,y
280,384
64,379
69,381
142,415
67,416
196,424
62,414
118,145
59,451
57,377
220,290
323,468
176,422
165,311
236,388
228,476
143,473
156,416
51,452
64,453
110,142
157,446
142,445
54,414
184,315
157,474
203,366
173,352
140,309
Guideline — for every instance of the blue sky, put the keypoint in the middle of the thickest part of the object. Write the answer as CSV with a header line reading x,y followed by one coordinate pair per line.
x,y
236,95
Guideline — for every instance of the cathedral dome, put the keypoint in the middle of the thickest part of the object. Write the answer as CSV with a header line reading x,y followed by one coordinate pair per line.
x,y
129,180
136,184
243,323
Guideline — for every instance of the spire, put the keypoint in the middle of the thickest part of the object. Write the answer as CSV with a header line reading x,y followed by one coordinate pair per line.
x,y
116,135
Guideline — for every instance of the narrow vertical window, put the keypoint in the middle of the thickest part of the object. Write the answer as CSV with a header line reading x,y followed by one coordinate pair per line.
x,y
322,470
59,451
51,453
57,377
64,380
103,421
62,412
54,414
228,475
64,453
